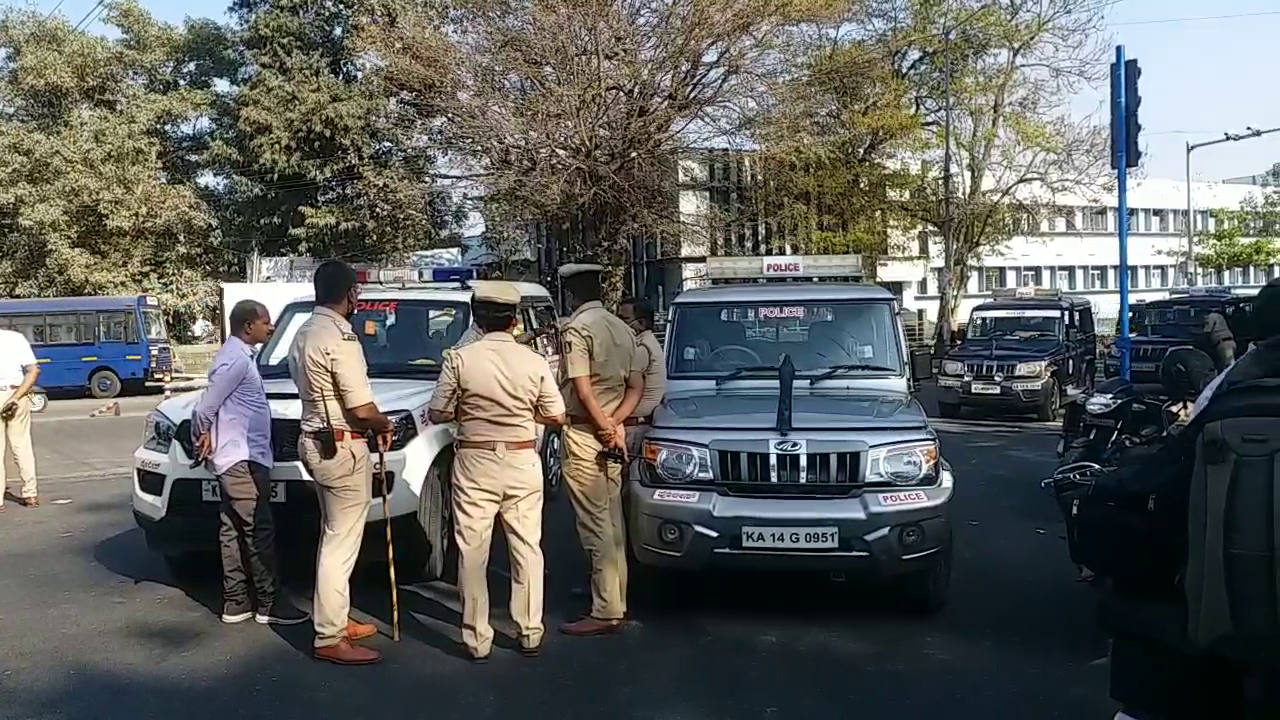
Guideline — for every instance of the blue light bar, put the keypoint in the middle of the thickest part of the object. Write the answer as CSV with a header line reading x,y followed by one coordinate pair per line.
x,y
452,274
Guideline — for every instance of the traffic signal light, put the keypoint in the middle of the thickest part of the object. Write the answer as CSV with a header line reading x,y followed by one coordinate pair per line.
x,y
1132,101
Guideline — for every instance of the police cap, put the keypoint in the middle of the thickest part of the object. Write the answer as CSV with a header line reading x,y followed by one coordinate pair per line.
x,y
498,292
572,269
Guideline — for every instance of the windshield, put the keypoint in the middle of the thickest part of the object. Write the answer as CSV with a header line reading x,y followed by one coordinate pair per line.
x,y
714,339
400,337
1031,324
1171,321
153,325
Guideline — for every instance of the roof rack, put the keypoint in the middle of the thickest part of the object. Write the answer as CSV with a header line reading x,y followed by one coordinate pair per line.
x,y
1202,290
1026,293
784,268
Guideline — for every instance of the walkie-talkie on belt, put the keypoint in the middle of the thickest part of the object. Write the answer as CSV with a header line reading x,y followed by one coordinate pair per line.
x,y
328,443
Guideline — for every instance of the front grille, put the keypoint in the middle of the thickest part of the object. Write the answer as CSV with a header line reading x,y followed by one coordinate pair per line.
x,y
825,474
987,370
1148,353
284,440
163,358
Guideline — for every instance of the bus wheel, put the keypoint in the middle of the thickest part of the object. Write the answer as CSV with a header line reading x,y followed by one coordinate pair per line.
x,y
104,385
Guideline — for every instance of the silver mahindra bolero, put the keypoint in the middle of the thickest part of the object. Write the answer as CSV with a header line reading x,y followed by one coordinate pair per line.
x,y
789,438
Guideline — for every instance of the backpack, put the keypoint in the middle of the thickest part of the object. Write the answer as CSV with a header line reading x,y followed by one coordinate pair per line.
x,y
1232,577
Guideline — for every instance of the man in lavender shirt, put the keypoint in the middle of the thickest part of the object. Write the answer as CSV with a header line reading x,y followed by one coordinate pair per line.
x,y
232,424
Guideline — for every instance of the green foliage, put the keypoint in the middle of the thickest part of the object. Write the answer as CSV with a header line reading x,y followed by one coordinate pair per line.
x,y
314,159
1243,237
99,144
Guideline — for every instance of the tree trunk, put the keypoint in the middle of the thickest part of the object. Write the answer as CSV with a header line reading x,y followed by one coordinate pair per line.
x,y
953,280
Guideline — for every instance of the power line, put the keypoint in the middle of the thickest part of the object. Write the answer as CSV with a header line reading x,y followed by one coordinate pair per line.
x,y
54,10
1202,18
87,16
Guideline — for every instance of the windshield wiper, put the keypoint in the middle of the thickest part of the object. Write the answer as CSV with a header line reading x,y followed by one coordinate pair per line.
x,y
739,372
835,369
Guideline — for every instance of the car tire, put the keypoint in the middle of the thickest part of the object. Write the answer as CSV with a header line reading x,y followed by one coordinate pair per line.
x,y
39,402
1049,409
552,464
948,410
925,592
432,554
104,385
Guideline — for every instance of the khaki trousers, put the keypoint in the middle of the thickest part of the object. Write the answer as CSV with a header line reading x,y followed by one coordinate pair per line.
x,y
16,434
488,484
595,489
344,486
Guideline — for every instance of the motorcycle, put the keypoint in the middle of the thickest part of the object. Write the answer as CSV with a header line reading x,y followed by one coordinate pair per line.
x,y
1099,426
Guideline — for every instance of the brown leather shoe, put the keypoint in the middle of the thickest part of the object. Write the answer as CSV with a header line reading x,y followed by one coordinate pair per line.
x,y
589,626
32,501
360,631
344,653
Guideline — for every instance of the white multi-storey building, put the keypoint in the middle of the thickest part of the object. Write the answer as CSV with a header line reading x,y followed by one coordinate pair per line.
x,y
1077,250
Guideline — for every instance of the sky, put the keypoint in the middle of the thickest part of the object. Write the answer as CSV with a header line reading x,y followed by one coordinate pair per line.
x,y
1204,69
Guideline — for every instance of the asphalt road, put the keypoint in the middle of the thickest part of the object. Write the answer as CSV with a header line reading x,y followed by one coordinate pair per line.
x,y
93,627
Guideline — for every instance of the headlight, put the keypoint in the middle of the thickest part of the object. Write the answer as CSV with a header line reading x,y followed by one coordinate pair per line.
x,y
910,464
952,367
1030,369
677,463
1098,404
158,432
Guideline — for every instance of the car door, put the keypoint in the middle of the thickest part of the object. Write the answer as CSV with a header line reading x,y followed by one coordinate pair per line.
x,y
1086,344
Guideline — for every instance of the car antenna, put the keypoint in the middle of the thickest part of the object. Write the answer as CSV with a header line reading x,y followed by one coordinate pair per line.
x,y
786,383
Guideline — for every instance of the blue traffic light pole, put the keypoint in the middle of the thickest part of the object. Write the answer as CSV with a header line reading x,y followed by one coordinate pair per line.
x,y
1119,147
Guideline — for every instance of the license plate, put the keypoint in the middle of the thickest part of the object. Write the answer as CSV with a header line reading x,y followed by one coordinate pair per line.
x,y
1099,422
790,538
211,491
1143,367
984,389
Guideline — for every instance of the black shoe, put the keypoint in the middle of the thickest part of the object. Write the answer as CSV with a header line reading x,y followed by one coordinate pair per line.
x,y
479,659
531,651
233,613
281,612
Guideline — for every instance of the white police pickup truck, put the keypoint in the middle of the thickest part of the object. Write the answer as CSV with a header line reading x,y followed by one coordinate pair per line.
x,y
405,328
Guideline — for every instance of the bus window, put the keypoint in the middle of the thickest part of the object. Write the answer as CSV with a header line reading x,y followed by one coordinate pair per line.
x,y
63,329
111,326
153,325
88,328
31,327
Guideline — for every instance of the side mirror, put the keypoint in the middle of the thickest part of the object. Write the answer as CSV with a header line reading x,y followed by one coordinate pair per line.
x,y
921,364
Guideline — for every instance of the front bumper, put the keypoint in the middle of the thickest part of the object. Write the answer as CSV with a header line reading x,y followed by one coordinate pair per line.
x,y
880,533
1015,393
170,506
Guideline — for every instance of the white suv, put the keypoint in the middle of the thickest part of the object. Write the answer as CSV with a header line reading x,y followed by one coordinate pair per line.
x,y
404,332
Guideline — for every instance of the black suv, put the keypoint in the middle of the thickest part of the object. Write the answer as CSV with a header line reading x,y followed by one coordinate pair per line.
x,y
1025,350
1158,325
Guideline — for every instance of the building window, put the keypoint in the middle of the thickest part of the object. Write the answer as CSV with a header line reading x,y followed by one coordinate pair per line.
x,y
1202,220
1132,225
1146,221
1133,278
1179,221
1095,219
1069,219
922,286
1063,278
1147,276
990,278
1029,277
1162,220
1096,278
1051,224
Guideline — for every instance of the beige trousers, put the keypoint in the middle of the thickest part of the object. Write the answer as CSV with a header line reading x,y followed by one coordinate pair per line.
x,y
595,488
344,486
17,436
488,484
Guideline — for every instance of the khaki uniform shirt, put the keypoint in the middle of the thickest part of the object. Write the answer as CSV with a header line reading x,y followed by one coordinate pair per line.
x,y
655,374
327,363
599,345
495,387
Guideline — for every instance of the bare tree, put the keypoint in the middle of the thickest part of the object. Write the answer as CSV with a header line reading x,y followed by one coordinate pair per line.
x,y
1014,67
575,111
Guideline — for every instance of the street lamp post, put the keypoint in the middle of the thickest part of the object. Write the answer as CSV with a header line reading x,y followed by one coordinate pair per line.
x,y
1249,134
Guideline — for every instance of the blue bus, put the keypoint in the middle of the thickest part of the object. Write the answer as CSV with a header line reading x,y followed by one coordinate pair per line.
x,y
106,344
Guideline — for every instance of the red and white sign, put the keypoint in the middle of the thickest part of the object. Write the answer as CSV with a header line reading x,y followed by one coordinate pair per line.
x,y
783,266
906,497
781,312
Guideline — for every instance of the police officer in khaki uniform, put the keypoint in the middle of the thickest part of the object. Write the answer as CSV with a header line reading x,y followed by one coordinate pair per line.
x,y
638,314
605,375
327,363
498,391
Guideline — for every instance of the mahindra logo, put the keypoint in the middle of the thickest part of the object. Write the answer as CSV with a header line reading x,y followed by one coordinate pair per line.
x,y
786,446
